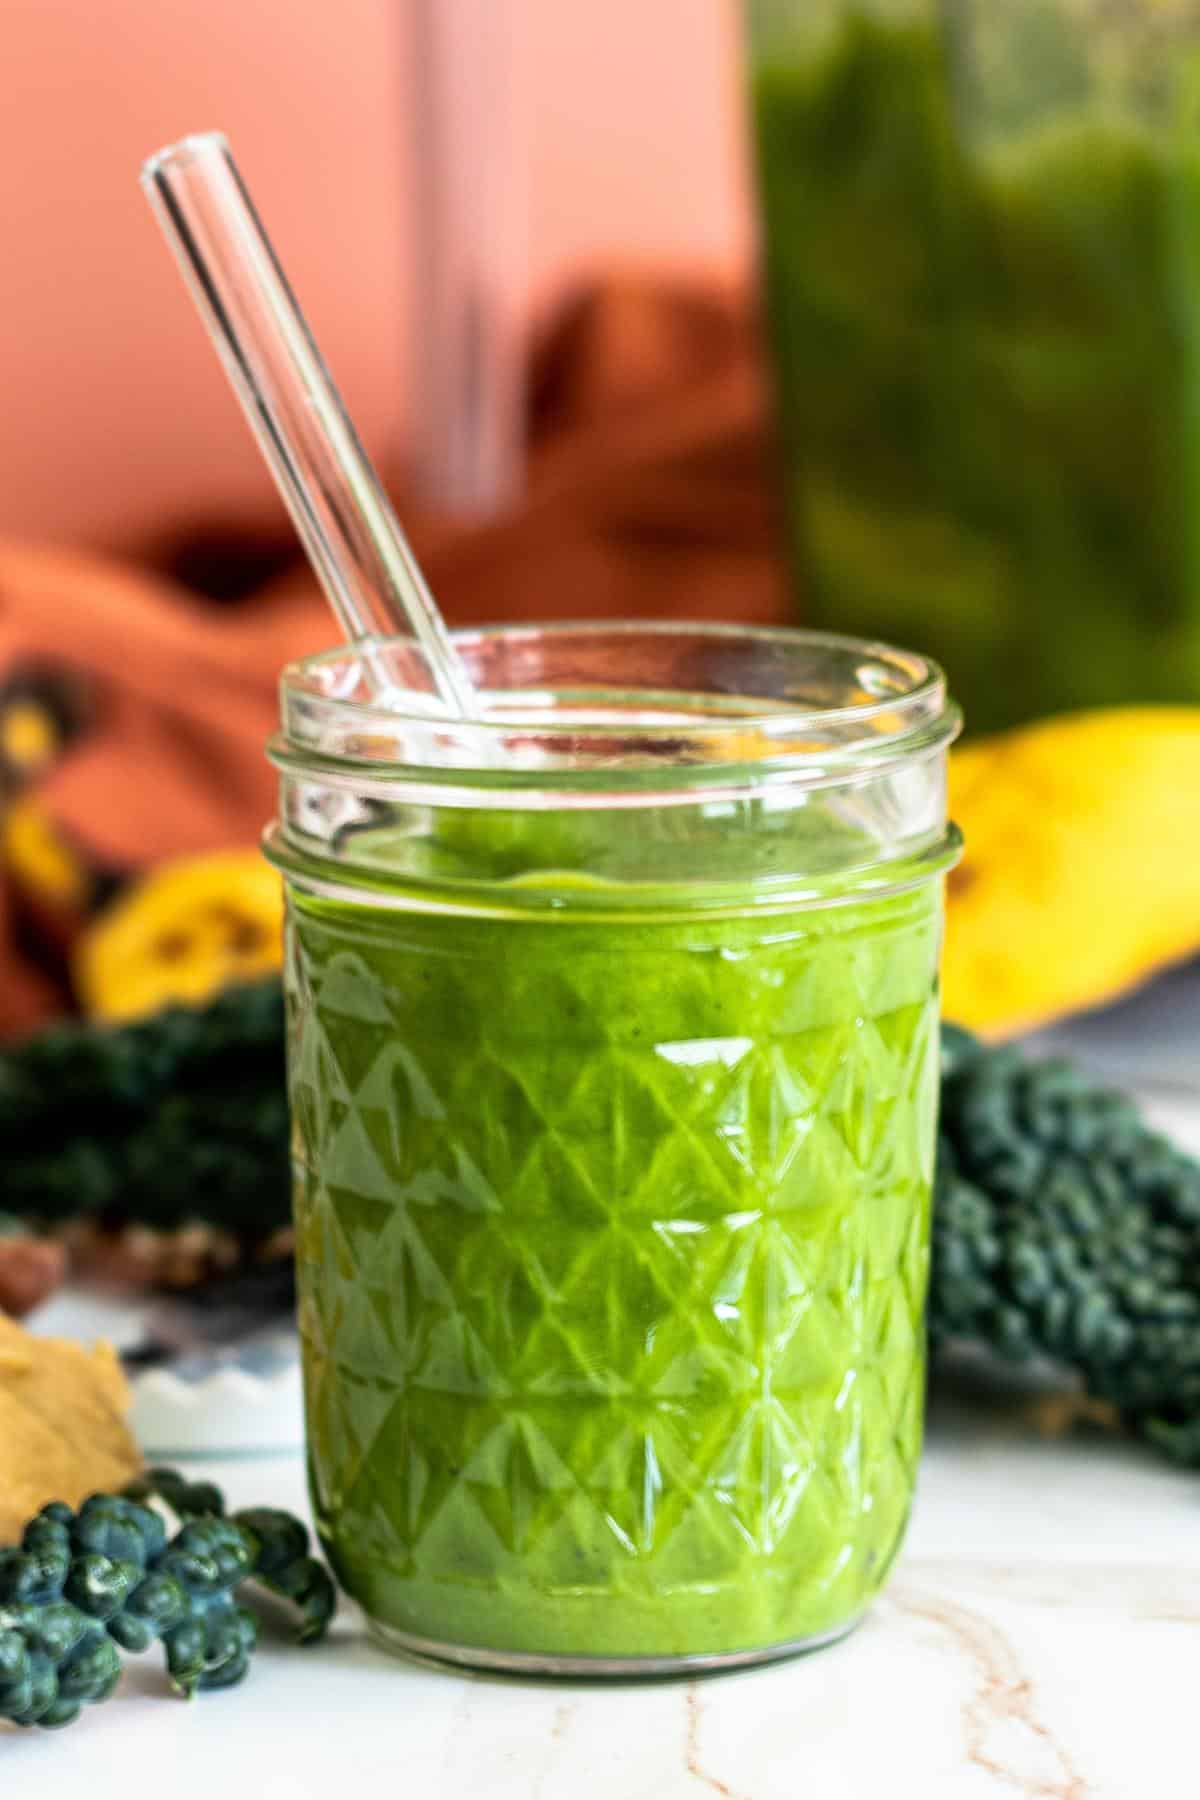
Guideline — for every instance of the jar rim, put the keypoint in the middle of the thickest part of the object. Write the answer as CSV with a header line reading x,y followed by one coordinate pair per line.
x,y
874,705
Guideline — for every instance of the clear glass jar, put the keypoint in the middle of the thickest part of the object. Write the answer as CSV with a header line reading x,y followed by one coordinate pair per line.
x,y
613,1067
981,254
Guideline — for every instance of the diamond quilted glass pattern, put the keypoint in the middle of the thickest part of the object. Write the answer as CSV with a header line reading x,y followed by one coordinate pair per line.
x,y
612,1243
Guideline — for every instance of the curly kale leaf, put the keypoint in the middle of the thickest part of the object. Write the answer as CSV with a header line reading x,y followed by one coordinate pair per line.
x,y
173,1120
81,1584
1065,1228
284,1567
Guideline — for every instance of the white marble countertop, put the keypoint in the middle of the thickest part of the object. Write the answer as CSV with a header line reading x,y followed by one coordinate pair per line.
x,y
1040,1641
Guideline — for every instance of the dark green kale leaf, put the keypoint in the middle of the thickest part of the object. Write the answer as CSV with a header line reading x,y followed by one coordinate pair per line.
x,y
1065,1228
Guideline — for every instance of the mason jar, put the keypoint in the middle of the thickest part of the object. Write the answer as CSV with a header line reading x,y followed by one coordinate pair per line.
x,y
981,259
613,1052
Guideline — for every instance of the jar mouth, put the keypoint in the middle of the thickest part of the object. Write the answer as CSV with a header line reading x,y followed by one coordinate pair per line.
x,y
628,705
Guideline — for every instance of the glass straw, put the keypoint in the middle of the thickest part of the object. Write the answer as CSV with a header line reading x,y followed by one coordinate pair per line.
x,y
346,523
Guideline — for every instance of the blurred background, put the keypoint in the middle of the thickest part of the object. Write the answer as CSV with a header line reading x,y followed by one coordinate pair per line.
x,y
535,242
624,152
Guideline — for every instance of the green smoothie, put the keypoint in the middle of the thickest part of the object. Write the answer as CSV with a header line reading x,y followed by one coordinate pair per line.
x,y
612,1228
982,262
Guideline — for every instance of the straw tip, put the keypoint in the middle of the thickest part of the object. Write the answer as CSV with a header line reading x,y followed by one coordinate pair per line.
x,y
186,150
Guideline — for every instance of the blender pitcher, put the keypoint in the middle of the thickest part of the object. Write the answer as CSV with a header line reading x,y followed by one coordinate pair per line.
x,y
981,253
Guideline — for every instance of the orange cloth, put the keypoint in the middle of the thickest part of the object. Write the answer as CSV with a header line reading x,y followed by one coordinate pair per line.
x,y
648,496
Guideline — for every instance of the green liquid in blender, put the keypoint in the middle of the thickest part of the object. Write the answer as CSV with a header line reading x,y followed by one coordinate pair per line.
x,y
987,344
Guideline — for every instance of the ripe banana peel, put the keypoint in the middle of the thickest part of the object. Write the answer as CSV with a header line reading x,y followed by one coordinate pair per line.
x,y
1081,875
182,933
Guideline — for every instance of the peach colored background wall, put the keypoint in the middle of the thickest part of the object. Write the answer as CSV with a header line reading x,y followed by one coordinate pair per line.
x,y
114,424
